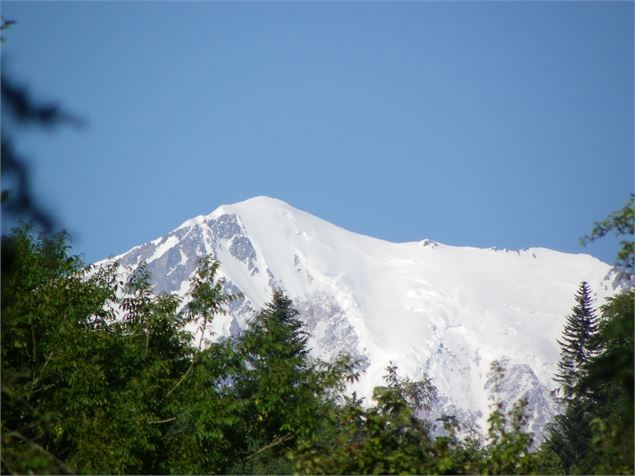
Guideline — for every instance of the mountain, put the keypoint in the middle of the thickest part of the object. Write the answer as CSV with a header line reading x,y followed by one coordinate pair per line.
x,y
429,308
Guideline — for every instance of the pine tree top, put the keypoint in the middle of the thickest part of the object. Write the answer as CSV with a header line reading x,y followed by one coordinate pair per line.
x,y
578,343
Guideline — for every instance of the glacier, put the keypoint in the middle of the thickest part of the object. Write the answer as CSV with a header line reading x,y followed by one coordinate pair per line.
x,y
443,311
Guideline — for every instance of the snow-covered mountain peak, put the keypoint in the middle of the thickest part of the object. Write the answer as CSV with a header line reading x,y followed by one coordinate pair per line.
x,y
261,202
442,310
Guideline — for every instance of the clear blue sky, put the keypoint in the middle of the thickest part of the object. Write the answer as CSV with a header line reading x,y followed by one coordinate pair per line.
x,y
501,124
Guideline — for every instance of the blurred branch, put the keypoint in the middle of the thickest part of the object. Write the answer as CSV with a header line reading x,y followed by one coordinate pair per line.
x,y
18,106
25,111
4,25
19,202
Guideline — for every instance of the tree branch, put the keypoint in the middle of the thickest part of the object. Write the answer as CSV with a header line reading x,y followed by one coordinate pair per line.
x,y
203,328
48,359
28,441
181,379
166,420
276,442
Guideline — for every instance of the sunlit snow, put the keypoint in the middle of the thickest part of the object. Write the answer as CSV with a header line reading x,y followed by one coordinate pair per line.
x,y
428,307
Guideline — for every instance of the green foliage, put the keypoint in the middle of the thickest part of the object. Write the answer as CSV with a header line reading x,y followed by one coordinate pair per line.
x,y
508,449
383,439
83,391
578,345
547,461
622,224
102,376
594,434
276,384
285,394
609,382
207,296
615,337
48,301
391,437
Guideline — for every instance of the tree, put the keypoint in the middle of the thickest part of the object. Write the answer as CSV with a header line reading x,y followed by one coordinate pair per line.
x,y
384,439
622,224
99,376
201,418
570,433
391,437
48,302
594,434
286,396
609,381
615,338
578,344
609,375
276,384
508,449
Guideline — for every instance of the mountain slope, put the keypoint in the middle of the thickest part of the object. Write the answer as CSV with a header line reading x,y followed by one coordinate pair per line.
x,y
427,307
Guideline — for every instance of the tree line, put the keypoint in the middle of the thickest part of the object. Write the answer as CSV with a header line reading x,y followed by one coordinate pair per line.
x,y
100,376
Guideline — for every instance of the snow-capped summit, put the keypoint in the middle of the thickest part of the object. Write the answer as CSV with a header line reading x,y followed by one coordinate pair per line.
x,y
429,308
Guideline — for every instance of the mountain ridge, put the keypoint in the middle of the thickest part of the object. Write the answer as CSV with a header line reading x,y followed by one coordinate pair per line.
x,y
434,309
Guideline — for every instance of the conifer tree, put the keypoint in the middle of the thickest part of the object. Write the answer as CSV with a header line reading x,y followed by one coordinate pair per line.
x,y
276,386
286,337
578,344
